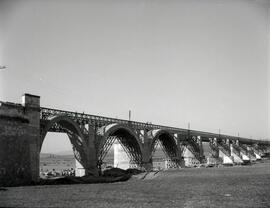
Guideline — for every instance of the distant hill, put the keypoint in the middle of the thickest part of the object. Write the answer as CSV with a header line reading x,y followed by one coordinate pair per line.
x,y
44,155
67,152
48,155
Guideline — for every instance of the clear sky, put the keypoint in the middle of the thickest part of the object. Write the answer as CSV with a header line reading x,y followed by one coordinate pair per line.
x,y
169,62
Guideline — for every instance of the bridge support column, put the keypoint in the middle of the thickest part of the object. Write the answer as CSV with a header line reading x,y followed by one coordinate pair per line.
x,y
263,149
225,152
180,147
87,155
257,151
147,162
19,141
191,150
214,155
251,153
201,153
214,147
244,153
235,153
92,161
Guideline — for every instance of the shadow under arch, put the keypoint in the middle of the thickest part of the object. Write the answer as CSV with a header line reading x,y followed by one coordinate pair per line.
x,y
128,139
168,144
64,124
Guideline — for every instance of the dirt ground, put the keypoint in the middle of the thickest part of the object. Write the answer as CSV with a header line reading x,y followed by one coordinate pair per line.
x,y
246,186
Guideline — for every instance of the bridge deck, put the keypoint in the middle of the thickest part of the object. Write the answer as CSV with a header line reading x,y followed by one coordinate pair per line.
x,y
99,121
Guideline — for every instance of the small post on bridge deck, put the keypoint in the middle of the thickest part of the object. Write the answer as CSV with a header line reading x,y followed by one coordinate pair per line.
x,y
129,115
188,130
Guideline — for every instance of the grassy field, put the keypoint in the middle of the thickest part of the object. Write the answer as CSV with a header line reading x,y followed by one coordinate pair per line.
x,y
246,186
49,162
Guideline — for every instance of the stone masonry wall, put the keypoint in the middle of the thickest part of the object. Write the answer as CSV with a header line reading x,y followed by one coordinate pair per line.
x,y
19,137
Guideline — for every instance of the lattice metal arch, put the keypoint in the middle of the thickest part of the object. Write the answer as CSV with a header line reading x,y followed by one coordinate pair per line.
x,y
169,148
133,153
75,140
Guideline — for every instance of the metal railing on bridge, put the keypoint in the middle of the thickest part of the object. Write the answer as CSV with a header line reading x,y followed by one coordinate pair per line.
x,y
100,121
83,118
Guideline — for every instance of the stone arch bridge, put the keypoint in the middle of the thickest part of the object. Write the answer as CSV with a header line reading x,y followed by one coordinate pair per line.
x,y
23,128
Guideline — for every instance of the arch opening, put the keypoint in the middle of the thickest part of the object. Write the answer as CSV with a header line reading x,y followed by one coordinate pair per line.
x,y
164,142
123,149
63,145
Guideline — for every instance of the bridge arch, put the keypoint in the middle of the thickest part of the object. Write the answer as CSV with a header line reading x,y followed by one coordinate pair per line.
x,y
128,139
168,143
64,124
